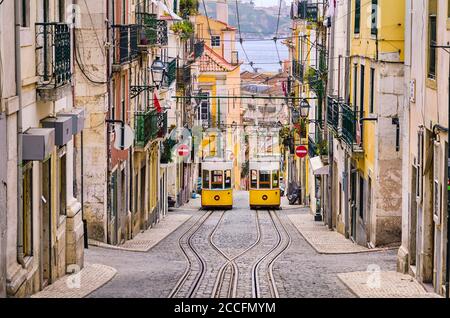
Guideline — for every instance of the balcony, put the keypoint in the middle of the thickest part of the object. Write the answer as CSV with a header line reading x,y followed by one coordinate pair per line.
x,y
349,122
333,113
171,72
125,43
307,11
298,70
53,50
153,32
149,126
184,77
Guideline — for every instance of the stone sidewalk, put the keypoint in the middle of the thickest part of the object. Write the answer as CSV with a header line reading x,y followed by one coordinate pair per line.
x,y
144,241
384,285
80,284
322,239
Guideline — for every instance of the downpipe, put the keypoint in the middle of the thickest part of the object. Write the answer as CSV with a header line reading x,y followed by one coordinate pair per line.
x,y
18,69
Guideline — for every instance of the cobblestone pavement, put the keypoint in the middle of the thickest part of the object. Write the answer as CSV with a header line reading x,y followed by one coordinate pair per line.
x,y
78,285
376,284
321,238
298,269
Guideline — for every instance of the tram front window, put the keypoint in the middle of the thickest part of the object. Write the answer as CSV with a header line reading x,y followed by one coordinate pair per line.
x,y
254,179
275,179
228,179
217,180
205,179
264,179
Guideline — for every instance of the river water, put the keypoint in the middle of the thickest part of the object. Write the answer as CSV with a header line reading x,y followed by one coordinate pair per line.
x,y
263,54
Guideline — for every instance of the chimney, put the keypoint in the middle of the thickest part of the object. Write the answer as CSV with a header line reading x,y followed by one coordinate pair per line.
x,y
222,11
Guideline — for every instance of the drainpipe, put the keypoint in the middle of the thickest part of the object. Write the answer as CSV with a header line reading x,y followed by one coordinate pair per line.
x,y
20,252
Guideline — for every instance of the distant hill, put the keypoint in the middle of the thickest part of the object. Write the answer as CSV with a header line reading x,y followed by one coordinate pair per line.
x,y
256,22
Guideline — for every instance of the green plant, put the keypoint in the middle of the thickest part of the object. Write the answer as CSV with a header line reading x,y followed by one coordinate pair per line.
x,y
166,151
322,148
183,28
188,8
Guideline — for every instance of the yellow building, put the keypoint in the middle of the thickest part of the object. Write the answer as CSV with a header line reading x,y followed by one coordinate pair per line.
x,y
219,80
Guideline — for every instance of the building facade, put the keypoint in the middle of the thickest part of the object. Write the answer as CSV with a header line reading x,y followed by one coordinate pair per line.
x,y
44,236
219,76
424,250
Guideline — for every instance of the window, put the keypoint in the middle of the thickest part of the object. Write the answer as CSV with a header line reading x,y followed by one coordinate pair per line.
x,y
215,40
28,210
374,28
372,90
275,179
217,179
357,16
436,184
228,179
25,13
62,182
264,179
448,9
355,85
362,89
254,179
432,37
124,11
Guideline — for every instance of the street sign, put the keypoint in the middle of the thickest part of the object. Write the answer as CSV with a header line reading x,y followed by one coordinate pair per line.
x,y
183,151
124,137
301,151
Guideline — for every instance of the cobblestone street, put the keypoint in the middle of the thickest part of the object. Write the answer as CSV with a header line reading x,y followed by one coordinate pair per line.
x,y
239,253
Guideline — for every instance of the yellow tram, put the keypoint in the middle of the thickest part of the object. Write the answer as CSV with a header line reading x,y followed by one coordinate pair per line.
x,y
217,184
265,183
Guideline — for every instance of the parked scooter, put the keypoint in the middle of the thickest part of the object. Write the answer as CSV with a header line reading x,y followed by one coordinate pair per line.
x,y
294,193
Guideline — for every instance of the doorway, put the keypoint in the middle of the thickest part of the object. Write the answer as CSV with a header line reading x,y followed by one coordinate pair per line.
x,y
353,202
46,233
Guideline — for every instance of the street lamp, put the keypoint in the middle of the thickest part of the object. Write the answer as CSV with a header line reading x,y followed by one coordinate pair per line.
x,y
158,70
304,108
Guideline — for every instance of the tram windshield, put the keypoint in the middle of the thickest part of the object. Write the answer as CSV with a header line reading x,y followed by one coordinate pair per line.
x,y
275,179
254,179
264,179
205,179
228,179
217,179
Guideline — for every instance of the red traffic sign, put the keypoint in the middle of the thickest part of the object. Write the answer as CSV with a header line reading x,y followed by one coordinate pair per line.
x,y
183,150
301,151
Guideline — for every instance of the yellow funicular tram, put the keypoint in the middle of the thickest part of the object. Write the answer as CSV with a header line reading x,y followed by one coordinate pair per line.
x,y
265,183
217,184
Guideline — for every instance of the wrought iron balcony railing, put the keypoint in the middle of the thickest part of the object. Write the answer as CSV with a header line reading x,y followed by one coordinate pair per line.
x,y
125,43
307,11
53,49
152,30
349,124
312,146
298,70
171,72
333,113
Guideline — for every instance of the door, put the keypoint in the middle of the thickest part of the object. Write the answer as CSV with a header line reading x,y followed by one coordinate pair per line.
x,y
112,213
353,205
46,236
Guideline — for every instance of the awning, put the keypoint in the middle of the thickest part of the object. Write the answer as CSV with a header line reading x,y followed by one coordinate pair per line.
x,y
167,10
318,167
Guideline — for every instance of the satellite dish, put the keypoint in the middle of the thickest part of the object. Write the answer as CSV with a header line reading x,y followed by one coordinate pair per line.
x,y
124,137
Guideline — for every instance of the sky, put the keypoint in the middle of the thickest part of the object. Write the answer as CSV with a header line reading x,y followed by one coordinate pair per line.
x,y
266,3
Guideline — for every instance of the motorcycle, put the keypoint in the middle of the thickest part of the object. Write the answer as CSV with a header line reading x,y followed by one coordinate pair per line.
x,y
294,194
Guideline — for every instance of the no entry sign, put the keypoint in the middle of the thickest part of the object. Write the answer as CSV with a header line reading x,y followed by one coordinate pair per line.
x,y
301,151
183,150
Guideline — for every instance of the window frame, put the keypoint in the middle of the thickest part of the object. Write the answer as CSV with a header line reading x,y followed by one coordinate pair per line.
x,y
372,91
27,204
269,182
357,19
25,13
374,20
432,52
62,181
214,174
252,184
215,41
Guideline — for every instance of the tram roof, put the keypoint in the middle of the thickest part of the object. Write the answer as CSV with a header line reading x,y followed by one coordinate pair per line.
x,y
216,164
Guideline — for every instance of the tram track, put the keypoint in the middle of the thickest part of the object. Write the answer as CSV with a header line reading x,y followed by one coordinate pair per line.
x,y
277,250
187,247
229,272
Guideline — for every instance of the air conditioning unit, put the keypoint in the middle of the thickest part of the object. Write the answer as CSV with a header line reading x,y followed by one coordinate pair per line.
x,y
63,128
78,117
37,144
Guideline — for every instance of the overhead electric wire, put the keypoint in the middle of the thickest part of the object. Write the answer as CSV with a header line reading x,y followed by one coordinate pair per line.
x,y
241,40
275,39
